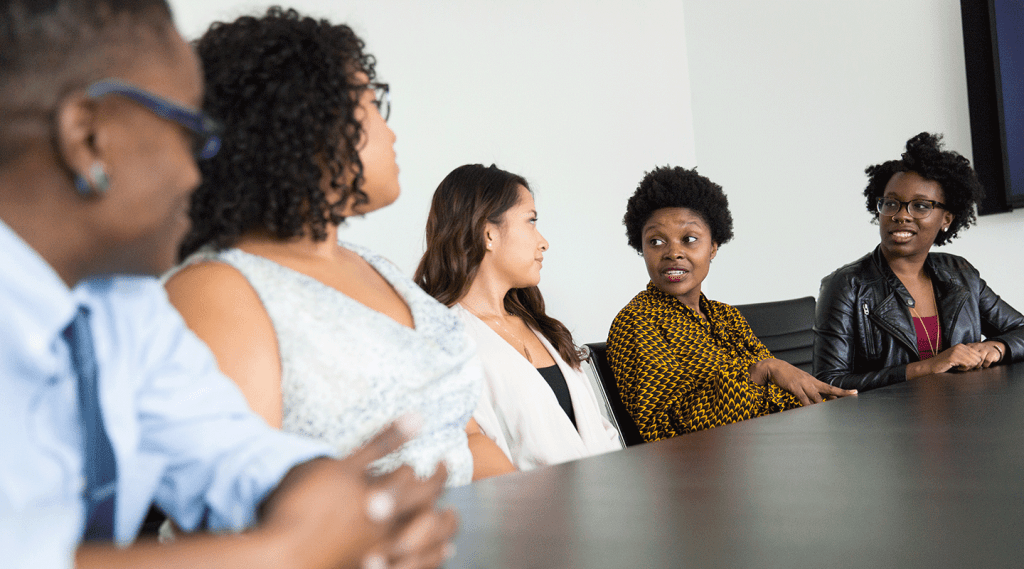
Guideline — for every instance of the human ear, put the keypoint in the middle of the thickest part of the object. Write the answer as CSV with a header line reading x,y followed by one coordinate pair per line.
x,y
490,236
947,220
714,250
76,147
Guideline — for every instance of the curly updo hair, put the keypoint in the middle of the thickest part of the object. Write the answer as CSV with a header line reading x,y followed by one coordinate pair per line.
x,y
283,86
924,156
677,187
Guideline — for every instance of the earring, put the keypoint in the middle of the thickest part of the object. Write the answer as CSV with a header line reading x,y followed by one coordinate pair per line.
x,y
96,182
488,246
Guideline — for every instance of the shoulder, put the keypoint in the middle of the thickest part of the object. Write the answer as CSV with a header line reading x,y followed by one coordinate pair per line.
x,y
127,298
854,271
722,308
843,281
208,280
635,310
725,313
211,290
952,264
379,262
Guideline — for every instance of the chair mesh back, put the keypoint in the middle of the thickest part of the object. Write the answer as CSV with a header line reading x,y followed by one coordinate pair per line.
x,y
785,327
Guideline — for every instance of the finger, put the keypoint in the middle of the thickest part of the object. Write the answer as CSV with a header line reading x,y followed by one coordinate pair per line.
x,y
388,440
427,560
382,499
426,540
813,394
374,560
833,391
411,495
802,397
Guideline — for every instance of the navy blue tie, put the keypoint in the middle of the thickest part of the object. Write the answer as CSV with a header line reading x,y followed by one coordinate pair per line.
x,y
100,465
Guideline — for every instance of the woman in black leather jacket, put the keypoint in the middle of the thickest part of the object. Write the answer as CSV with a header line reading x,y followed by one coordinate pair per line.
x,y
902,312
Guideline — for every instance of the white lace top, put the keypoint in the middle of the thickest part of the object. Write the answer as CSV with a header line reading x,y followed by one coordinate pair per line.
x,y
347,370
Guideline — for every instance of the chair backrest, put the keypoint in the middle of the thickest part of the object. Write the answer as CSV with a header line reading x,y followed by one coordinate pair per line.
x,y
598,361
785,327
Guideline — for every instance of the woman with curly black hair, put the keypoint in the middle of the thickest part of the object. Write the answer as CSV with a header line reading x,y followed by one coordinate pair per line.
x,y
324,338
901,311
684,363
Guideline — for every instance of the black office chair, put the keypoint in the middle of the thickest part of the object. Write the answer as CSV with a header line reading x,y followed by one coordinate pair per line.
x,y
785,327
603,370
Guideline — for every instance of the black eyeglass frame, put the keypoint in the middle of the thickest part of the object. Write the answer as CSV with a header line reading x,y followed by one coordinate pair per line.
x,y
381,98
934,204
205,128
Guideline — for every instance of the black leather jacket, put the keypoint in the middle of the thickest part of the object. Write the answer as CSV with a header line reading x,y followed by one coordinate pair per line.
x,y
863,331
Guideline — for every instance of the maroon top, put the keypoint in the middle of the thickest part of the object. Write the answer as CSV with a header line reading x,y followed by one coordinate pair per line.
x,y
928,335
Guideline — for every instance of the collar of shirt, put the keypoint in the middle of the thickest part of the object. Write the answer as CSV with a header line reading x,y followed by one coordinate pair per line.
x,y
35,302
672,304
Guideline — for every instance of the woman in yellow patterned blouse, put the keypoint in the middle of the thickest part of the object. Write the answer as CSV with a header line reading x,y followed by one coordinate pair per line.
x,y
684,363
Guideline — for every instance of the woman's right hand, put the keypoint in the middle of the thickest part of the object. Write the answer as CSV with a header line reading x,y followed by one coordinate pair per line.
x,y
807,388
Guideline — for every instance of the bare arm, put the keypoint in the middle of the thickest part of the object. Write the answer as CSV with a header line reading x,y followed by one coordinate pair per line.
x,y
220,306
488,459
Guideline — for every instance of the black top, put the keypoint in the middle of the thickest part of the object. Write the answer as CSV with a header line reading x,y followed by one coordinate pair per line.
x,y
556,380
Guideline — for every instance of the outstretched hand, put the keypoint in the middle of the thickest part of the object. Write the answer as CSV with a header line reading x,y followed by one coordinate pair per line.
x,y
807,389
334,513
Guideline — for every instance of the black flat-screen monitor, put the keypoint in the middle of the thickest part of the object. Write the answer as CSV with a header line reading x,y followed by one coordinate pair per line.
x,y
994,54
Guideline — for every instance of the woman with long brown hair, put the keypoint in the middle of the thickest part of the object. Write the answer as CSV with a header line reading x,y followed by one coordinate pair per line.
x,y
483,259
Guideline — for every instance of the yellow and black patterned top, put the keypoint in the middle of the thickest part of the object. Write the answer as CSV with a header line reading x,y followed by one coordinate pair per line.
x,y
678,373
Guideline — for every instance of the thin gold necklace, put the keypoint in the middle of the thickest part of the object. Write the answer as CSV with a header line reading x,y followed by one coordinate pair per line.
x,y
927,336
526,351
934,347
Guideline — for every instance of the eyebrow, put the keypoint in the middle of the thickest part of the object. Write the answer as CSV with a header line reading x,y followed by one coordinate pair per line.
x,y
653,226
914,197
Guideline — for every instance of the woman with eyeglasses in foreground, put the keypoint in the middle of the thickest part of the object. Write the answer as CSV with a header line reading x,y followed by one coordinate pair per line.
x,y
483,259
324,338
685,363
901,311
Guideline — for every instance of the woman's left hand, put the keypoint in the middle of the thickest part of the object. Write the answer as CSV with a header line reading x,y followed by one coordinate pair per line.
x,y
803,385
991,352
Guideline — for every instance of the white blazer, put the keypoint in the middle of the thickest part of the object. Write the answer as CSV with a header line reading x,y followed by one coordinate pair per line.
x,y
519,411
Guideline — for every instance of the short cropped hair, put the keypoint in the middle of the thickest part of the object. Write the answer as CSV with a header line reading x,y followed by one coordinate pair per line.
x,y
925,157
50,48
677,187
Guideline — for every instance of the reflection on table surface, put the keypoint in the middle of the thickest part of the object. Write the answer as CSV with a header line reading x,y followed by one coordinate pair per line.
x,y
924,473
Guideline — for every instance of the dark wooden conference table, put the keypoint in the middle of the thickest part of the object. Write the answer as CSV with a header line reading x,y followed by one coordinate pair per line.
x,y
928,473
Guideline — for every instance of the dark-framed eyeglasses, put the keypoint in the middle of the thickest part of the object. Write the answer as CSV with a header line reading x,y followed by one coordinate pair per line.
x,y
918,209
204,129
381,98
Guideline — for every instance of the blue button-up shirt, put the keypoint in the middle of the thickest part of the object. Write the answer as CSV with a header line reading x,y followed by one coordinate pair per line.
x,y
182,432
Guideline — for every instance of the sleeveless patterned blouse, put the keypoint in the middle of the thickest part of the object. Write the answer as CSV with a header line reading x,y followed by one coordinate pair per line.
x,y
347,370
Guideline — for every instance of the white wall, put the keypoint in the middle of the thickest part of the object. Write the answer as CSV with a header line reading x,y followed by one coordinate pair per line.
x,y
579,97
791,99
